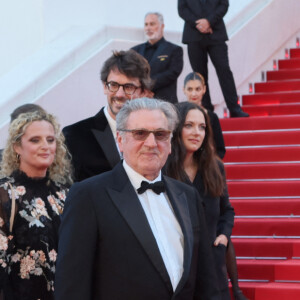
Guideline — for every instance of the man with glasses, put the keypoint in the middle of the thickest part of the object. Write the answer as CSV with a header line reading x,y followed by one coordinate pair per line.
x,y
165,58
92,142
133,233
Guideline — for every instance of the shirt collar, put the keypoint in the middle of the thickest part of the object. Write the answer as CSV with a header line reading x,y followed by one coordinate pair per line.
x,y
111,122
154,46
136,178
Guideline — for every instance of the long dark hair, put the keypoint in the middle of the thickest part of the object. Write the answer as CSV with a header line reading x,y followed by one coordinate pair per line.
x,y
205,157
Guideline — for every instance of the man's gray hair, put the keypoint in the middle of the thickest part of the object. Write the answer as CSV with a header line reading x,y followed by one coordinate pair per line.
x,y
160,17
166,108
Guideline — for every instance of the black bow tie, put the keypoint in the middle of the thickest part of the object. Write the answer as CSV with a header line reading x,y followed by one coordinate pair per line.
x,y
157,187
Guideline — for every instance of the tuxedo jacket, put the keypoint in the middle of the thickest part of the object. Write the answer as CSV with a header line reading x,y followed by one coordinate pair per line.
x,y
107,249
212,10
166,65
92,146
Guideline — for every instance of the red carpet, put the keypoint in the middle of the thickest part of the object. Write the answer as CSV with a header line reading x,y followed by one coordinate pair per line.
x,y
262,164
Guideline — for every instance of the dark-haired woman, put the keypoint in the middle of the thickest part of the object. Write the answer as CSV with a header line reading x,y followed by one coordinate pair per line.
x,y
193,160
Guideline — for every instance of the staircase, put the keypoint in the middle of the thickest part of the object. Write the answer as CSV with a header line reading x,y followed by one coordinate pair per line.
x,y
263,172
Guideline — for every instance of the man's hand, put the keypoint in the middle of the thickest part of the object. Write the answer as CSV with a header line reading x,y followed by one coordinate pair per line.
x,y
203,26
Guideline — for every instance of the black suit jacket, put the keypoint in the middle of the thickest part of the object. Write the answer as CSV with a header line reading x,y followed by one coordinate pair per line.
x,y
108,251
92,146
219,216
217,132
212,10
166,65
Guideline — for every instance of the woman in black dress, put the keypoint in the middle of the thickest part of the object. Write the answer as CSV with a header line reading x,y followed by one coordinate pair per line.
x,y
193,160
194,90
35,175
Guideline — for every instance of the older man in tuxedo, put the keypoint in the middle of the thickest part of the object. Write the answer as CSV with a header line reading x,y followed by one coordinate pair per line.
x,y
132,233
165,58
92,141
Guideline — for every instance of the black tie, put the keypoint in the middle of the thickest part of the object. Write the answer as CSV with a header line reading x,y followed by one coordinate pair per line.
x,y
157,187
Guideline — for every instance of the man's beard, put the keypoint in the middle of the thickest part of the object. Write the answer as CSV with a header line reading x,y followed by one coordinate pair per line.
x,y
118,101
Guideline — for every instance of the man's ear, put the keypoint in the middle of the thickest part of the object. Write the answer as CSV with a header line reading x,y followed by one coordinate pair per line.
x,y
105,89
147,93
120,141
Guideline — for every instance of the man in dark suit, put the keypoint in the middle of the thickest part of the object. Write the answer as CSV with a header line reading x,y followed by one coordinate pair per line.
x,y
205,34
132,233
92,142
165,58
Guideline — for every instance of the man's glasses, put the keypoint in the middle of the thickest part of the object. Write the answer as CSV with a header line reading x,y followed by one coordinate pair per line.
x,y
129,88
142,134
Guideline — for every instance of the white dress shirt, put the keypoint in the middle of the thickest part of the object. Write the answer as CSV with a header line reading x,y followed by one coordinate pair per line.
x,y
163,223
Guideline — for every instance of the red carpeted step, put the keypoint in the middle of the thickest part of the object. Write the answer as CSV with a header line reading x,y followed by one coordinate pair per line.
x,y
277,291
289,63
265,154
288,270
264,188
269,110
283,74
259,123
256,269
248,138
277,86
266,207
266,227
249,288
263,171
267,247
295,53
271,98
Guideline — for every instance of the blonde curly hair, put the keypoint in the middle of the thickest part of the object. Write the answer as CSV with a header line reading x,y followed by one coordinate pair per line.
x,y
60,169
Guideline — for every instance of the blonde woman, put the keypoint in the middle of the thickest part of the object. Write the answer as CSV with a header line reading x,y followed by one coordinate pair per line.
x,y
35,171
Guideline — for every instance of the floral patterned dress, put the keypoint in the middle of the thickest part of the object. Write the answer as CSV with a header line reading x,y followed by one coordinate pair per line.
x,y
28,253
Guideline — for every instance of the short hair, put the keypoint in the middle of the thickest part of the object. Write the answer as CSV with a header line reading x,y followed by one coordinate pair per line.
x,y
60,169
131,64
193,76
166,108
28,107
160,17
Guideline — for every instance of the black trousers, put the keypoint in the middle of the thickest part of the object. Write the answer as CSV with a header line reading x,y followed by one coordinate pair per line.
x,y
198,55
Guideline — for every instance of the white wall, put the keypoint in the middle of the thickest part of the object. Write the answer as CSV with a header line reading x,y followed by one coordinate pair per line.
x,y
27,26
21,31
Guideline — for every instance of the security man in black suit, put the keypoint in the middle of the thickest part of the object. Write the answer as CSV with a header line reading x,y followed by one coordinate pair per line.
x,y
165,58
205,34
92,142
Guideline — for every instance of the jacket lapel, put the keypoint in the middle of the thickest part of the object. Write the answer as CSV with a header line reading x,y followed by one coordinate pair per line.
x,y
180,206
143,49
128,204
105,139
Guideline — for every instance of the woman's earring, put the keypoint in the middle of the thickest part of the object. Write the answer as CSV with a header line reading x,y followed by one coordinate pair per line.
x,y
18,157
